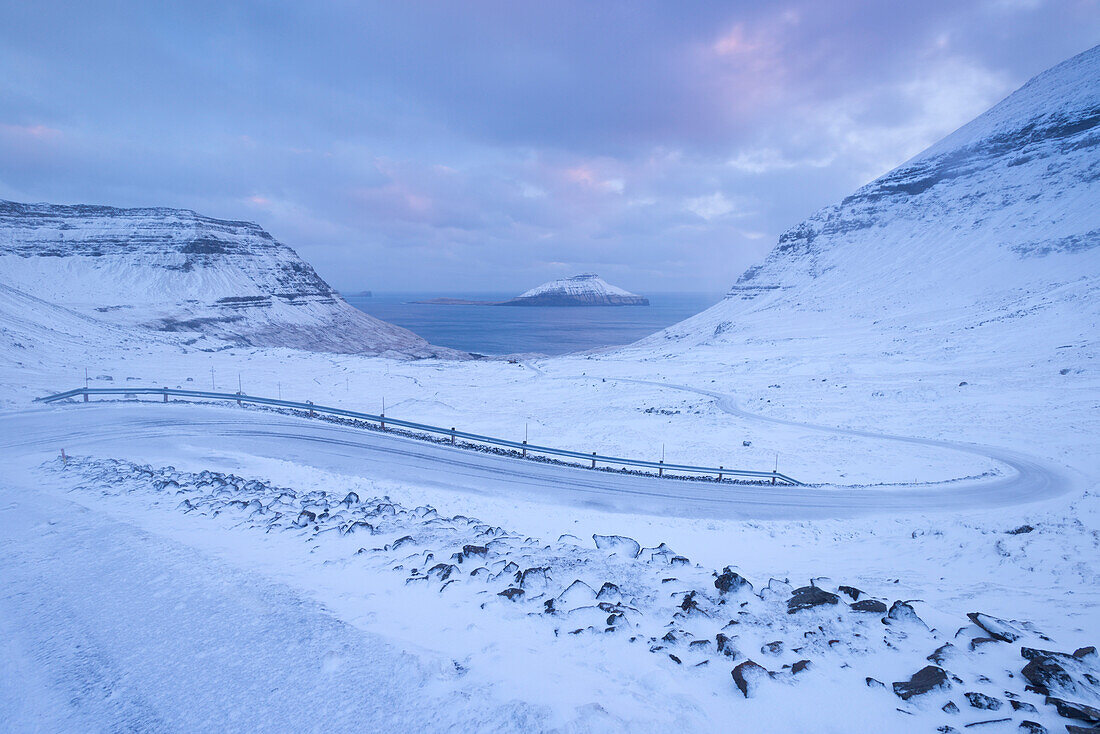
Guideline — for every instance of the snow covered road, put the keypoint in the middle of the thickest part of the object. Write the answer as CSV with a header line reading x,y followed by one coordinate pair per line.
x,y
172,433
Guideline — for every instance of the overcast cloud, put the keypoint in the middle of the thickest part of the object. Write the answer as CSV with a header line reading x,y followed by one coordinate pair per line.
x,y
495,145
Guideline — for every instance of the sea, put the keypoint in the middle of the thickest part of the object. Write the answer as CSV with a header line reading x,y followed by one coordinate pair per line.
x,y
500,330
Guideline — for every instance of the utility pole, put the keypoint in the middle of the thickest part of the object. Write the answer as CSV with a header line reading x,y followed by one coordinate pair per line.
x,y
280,390
239,388
212,379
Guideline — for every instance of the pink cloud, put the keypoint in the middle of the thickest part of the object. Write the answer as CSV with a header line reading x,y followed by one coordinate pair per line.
x,y
30,132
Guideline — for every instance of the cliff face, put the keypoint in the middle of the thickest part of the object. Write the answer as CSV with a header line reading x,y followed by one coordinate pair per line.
x,y
175,271
987,243
580,290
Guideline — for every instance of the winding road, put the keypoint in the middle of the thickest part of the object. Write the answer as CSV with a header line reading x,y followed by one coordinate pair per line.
x,y
217,437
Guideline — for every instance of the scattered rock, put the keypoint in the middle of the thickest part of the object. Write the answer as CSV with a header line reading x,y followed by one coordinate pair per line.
x,y
807,597
873,606
950,708
984,702
800,666
748,676
874,682
474,550
851,591
1056,672
902,612
940,654
675,659
725,646
1032,727
998,629
351,499
689,604
1083,653
575,595
730,581
772,648
985,723
1071,710
1021,530
511,593
618,544
1022,706
928,678
979,641
609,592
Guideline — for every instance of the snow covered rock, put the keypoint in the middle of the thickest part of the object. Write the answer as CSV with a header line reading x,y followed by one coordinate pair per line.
x,y
928,678
178,273
580,290
618,544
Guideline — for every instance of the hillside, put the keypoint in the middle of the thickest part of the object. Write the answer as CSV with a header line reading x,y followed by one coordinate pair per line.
x,y
176,272
982,249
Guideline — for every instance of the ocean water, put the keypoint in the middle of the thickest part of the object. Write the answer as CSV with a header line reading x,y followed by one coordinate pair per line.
x,y
497,330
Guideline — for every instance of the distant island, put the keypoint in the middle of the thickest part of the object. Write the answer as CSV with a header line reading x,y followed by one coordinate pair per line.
x,y
360,294
580,290
586,289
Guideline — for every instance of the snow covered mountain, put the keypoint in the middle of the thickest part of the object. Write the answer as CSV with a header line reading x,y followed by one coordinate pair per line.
x,y
580,290
176,272
983,248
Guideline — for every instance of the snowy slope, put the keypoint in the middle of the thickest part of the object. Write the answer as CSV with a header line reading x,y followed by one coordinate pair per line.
x,y
983,248
587,289
171,270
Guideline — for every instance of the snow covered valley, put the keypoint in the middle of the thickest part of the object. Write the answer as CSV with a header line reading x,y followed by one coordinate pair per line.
x,y
189,567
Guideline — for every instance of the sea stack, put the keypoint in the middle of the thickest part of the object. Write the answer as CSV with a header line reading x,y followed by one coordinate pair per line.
x,y
580,290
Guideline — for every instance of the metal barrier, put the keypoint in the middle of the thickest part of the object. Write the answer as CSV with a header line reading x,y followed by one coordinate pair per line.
x,y
522,446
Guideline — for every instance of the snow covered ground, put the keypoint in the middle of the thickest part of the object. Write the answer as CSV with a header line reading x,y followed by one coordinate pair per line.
x,y
218,568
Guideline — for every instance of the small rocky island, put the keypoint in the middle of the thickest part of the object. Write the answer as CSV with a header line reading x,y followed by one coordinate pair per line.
x,y
580,290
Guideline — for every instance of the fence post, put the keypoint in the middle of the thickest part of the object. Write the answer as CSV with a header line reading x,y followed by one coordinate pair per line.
x,y
525,448
238,398
382,423
593,460
720,473
85,395
166,395
661,469
773,477
452,435
310,404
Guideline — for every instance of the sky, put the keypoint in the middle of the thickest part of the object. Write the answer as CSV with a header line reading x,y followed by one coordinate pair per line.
x,y
491,146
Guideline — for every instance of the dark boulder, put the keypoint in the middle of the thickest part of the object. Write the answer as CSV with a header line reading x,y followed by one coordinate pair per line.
x,y
851,591
730,581
807,597
874,606
874,682
511,594
1023,706
949,708
1071,710
800,666
928,678
748,676
1032,727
